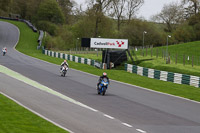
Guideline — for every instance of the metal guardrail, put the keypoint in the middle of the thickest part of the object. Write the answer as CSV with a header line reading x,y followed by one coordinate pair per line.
x,y
22,20
40,38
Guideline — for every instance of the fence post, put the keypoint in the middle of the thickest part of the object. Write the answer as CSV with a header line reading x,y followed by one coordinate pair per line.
x,y
146,51
142,52
192,61
157,53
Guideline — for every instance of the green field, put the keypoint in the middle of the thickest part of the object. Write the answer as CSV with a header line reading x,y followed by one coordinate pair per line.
x,y
177,54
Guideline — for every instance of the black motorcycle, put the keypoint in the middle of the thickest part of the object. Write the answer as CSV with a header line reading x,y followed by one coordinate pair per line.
x,y
64,70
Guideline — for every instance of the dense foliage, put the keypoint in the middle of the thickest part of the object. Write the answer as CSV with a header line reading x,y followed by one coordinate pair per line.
x,y
65,21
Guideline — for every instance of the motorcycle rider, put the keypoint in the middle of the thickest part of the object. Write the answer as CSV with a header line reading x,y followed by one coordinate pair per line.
x,y
62,64
101,78
4,50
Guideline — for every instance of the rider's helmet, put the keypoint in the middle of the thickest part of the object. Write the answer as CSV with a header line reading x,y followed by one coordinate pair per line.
x,y
104,74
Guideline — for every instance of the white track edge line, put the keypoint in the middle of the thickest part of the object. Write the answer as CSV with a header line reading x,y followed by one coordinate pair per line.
x,y
36,113
108,116
128,125
142,131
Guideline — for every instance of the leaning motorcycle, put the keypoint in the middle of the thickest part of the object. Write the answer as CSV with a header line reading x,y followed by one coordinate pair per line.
x,y
4,52
102,87
64,70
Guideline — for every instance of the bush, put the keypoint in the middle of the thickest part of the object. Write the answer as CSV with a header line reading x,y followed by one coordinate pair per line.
x,y
63,39
184,33
134,33
47,26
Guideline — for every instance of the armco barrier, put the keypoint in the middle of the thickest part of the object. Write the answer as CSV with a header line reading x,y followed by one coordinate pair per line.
x,y
22,20
40,39
73,58
164,76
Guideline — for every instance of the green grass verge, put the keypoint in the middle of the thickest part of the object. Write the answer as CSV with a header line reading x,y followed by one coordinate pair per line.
x,y
119,75
16,119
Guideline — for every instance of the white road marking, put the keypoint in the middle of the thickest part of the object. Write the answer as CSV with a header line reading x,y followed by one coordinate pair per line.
x,y
109,116
127,125
36,112
139,130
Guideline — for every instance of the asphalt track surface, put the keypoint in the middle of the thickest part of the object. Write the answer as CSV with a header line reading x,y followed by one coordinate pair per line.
x,y
124,109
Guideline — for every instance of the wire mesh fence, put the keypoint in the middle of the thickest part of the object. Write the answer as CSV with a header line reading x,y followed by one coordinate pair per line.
x,y
171,57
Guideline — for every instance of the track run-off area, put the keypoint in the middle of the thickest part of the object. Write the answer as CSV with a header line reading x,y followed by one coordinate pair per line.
x,y
72,102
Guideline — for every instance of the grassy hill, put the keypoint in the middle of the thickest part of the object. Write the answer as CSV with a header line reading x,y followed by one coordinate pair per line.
x,y
188,49
156,58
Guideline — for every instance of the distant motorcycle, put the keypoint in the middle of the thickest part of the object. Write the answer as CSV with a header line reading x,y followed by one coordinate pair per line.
x,y
64,70
102,87
4,52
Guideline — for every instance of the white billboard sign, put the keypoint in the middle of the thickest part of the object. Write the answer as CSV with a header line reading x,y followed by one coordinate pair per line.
x,y
109,43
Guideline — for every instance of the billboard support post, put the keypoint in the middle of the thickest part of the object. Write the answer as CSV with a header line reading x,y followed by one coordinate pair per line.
x,y
130,56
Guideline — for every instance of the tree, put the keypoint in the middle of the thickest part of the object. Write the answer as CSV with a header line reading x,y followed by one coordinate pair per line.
x,y
194,21
134,33
184,33
86,25
124,9
98,7
4,5
25,8
132,7
49,10
67,8
118,11
171,15
192,7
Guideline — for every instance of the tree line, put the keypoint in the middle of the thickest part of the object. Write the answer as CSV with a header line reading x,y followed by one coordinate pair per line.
x,y
66,21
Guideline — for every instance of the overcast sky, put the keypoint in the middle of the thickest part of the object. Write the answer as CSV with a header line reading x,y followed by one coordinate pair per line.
x,y
150,7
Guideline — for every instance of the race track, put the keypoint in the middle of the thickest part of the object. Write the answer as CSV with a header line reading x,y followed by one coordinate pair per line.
x,y
124,109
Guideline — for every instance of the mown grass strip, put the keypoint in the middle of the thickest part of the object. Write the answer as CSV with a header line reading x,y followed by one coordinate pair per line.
x,y
119,75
